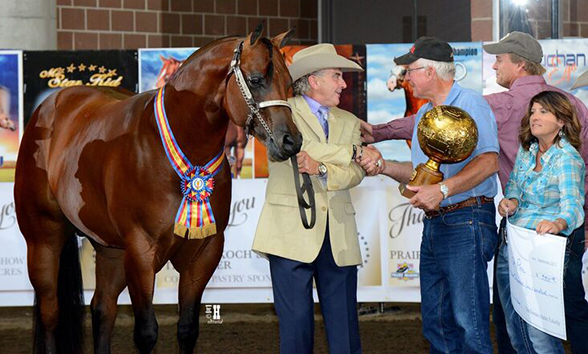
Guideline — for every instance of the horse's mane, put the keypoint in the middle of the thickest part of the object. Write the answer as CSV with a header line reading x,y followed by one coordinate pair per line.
x,y
208,47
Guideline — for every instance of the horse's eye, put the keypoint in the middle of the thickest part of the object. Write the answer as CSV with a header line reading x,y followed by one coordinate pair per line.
x,y
255,80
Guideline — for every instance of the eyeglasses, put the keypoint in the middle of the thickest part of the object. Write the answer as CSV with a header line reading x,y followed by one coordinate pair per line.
x,y
408,71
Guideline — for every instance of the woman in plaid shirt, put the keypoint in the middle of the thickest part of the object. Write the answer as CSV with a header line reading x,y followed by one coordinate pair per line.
x,y
545,192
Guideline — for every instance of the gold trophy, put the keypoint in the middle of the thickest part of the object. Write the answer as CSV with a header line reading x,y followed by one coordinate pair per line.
x,y
446,134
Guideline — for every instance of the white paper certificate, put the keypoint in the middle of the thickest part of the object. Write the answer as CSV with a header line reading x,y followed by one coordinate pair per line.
x,y
536,265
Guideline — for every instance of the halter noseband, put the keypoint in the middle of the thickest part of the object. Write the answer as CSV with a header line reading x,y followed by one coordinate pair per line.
x,y
254,107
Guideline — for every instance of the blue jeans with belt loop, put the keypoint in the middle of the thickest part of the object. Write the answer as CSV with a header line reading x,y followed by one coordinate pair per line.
x,y
455,293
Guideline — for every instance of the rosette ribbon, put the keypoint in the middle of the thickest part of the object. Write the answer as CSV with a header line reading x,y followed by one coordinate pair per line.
x,y
194,218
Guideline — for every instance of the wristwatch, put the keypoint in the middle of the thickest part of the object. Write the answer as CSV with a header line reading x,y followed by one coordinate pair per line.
x,y
444,190
322,169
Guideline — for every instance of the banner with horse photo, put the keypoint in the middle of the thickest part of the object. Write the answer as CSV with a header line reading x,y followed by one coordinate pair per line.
x,y
157,65
11,115
390,97
48,71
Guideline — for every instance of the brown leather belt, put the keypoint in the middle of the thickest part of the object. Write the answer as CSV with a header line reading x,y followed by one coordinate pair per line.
x,y
465,203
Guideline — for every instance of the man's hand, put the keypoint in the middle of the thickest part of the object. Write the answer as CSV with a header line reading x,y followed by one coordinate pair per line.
x,y
371,161
306,164
366,132
427,197
507,206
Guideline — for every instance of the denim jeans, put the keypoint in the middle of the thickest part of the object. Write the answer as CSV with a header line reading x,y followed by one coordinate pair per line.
x,y
576,307
455,295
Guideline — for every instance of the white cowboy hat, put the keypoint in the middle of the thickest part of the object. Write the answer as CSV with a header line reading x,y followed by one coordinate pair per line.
x,y
581,81
319,57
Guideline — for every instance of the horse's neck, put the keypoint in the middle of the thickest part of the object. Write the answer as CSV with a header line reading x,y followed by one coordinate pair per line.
x,y
193,102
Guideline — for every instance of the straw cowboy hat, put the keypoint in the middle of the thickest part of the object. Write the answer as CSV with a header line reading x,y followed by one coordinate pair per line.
x,y
319,57
581,81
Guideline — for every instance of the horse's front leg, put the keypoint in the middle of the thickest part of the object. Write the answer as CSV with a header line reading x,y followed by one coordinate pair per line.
x,y
140,265
110,282
195,261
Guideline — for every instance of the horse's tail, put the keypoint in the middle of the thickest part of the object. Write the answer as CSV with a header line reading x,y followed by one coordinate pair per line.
x,y
69,333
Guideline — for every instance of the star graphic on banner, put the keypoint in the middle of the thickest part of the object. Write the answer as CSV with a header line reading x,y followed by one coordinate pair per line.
x,y
112,72
102,69
92,67
71,68
82,67
60,70
356,57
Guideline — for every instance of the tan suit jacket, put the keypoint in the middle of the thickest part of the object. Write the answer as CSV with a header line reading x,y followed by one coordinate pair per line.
x,y
280,231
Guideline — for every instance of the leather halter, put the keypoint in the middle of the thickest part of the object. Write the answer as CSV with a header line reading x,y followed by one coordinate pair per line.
x,y
254,107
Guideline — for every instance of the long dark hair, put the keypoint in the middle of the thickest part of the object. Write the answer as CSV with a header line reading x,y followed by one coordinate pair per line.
x,y
558,104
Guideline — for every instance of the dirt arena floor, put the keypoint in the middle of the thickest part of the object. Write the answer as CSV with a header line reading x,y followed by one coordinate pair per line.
x,y
244,329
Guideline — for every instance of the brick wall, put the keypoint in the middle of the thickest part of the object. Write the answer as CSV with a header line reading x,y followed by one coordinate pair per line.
x,y
131,24
481,20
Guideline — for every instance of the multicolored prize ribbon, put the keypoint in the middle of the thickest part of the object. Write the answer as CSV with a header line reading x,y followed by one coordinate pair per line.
x,y
197,182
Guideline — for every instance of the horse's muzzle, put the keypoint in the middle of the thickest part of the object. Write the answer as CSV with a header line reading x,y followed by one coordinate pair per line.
x,y
285,145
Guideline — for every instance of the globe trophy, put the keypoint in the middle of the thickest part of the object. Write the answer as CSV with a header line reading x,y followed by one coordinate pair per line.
x,y
446,134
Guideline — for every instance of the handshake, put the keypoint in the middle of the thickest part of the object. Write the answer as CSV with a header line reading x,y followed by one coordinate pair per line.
x,y
370,159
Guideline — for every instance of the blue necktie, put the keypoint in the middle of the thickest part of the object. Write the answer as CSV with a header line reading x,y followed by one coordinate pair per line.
x,y
323,119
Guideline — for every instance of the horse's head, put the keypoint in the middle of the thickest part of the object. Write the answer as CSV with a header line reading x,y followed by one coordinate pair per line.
x,y
257,90
6,122
168,68
396,78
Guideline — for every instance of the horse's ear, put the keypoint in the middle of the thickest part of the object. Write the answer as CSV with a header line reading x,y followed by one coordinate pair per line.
x,y
282,39
256,34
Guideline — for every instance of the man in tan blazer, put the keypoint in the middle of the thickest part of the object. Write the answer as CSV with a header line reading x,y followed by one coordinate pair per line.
x,y
328,253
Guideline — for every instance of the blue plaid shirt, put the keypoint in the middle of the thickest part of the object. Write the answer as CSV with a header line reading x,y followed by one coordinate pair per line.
x,y
557,191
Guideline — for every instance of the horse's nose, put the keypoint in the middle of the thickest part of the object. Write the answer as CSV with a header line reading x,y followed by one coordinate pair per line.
x,y
292,143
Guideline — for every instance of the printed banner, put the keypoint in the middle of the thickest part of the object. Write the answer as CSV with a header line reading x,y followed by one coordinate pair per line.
x,y
404,234
13,253
11,111
535,267
48,71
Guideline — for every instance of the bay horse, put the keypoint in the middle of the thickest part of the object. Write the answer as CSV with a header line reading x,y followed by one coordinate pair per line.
x,y
94,161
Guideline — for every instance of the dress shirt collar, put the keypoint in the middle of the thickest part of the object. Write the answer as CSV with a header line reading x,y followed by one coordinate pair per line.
x,y
314,105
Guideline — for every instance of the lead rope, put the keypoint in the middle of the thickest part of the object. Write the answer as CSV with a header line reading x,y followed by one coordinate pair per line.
x,y
300,190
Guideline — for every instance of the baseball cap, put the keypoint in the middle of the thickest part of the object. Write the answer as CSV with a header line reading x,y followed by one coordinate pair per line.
x,y
428,48
519,43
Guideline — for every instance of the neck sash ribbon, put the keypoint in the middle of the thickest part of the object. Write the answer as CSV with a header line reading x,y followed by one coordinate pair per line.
x,y
195,215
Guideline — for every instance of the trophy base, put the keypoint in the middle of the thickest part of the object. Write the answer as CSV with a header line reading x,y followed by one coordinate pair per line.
x,y
422,175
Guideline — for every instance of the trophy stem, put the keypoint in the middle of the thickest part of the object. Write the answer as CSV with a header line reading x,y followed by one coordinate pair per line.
x,y
433,165
424,174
